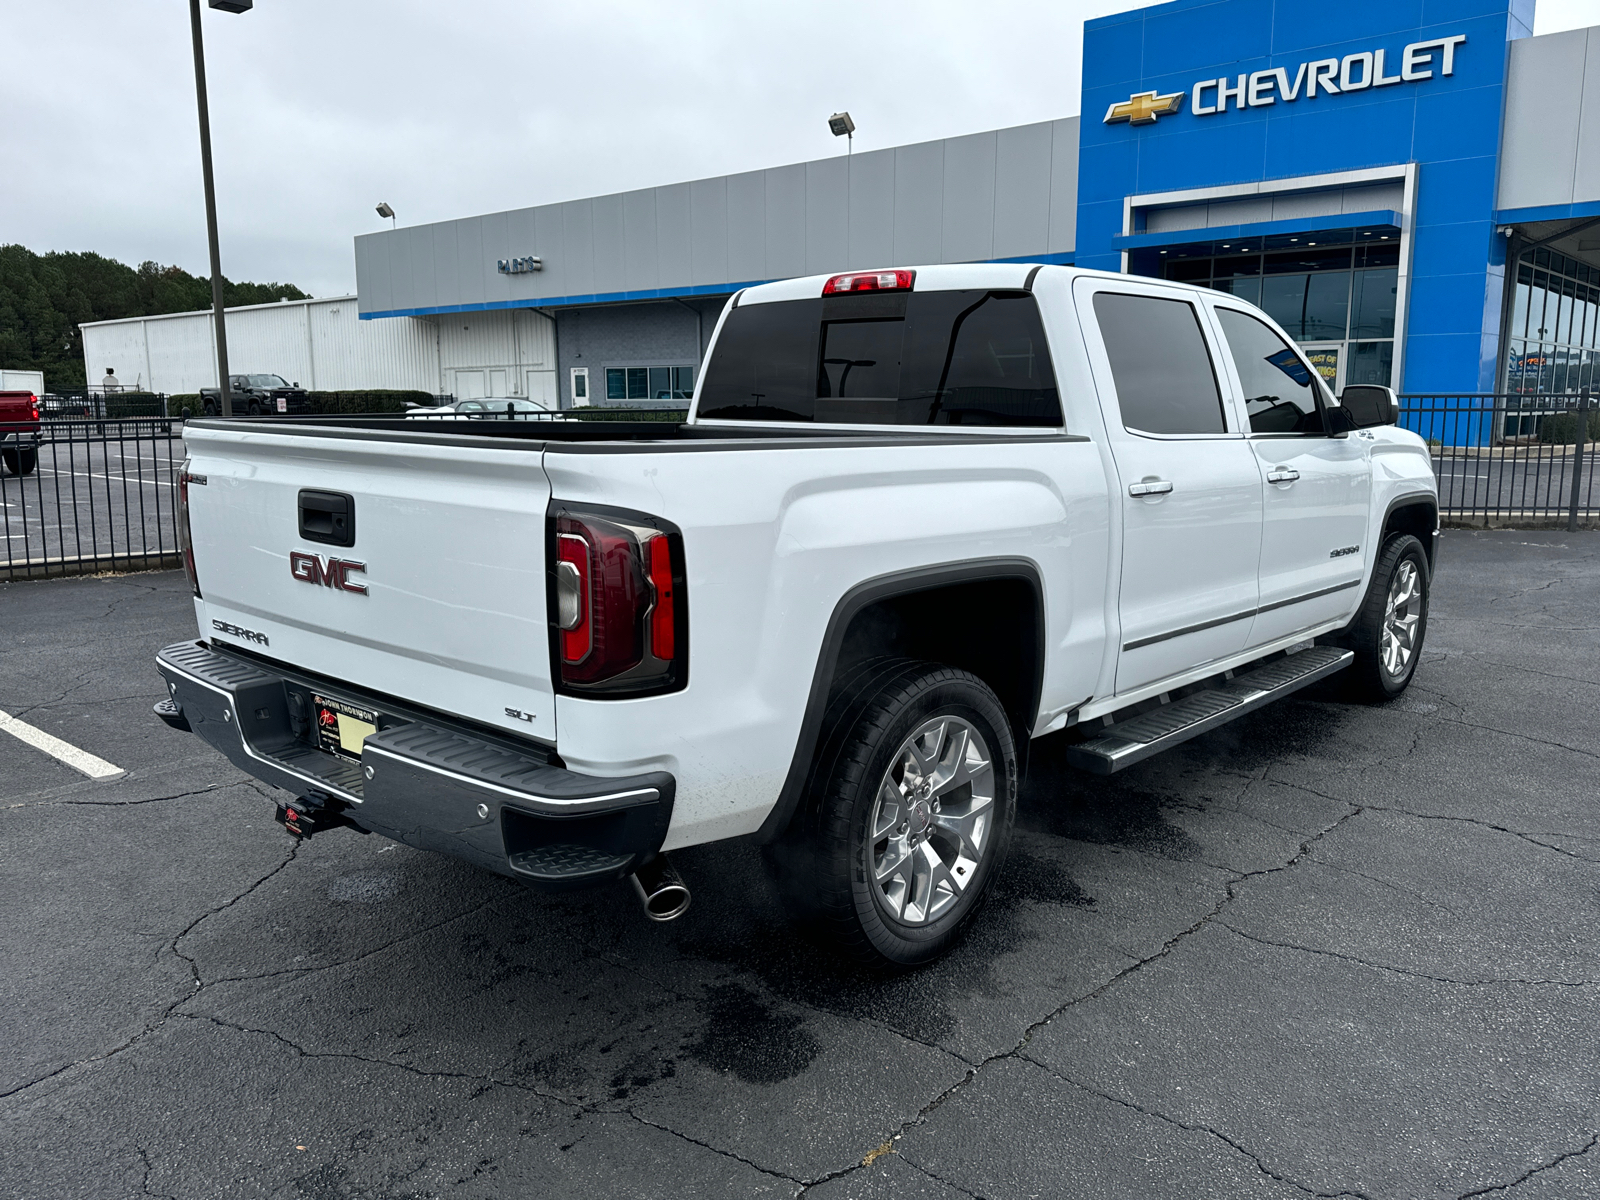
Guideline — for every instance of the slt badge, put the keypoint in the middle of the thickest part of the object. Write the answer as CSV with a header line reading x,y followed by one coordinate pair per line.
x,y
329,572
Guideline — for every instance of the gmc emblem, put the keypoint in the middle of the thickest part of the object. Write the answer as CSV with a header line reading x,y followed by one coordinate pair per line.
x,y
329,572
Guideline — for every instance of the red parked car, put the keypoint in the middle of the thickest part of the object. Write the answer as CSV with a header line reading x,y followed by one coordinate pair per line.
x,y
19,431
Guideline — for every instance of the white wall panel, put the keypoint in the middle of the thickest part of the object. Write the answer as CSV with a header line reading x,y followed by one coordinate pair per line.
x,y
322,344
1544,134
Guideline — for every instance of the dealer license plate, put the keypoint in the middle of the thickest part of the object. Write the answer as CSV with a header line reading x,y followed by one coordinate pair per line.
x,y
341,727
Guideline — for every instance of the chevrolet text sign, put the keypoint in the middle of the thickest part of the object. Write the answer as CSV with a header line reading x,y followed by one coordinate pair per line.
x,y
1332,76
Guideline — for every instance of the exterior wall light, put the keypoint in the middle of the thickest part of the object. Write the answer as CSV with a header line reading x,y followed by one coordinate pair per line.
x,y
842,126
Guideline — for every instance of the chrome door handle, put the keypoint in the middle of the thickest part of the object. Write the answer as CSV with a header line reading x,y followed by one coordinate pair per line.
x,y
1282,475
1149,487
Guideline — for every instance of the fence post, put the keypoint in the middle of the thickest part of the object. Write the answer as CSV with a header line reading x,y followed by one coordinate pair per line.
x,y
1577,459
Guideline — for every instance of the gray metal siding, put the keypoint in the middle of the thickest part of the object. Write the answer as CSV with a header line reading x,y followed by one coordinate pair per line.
x,y
747,227
1550,140
610,244
1005,193
674,236
708,231
919,203
1022,190
871,225
786,222
827,216
1063,186
969,198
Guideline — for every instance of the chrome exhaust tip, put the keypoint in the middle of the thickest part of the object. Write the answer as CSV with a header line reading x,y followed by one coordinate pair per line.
x,y
661,889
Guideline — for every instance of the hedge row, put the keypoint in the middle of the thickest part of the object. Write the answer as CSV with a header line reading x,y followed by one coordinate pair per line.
x,y
1561,429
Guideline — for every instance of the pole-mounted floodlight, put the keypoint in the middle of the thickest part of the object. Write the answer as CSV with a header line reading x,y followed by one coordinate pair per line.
x,y
844,127
385,211
232,6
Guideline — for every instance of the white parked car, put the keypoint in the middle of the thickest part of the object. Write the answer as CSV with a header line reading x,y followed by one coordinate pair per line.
x,y
914,519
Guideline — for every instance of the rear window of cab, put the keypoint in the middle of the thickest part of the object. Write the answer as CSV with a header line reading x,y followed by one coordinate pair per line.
x,y
974,357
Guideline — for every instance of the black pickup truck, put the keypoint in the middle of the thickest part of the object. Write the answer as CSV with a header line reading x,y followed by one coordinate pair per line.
x,y
255,395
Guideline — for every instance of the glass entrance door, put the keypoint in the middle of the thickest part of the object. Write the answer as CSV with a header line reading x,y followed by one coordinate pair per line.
x,y
1327,359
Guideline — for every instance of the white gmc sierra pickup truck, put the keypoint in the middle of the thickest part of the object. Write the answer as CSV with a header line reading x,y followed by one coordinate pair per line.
x,y
914,519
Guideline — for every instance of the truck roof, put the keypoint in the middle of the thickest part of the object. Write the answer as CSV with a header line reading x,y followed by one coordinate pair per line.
x,y
941,277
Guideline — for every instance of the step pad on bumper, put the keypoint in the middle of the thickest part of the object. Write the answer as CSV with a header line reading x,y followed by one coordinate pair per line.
x,y
1127,742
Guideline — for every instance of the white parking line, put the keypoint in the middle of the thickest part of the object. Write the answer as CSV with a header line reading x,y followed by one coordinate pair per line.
x,y
98,475
79,760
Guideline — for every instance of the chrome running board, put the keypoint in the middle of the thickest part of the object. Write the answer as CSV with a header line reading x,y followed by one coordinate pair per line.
x,y
1127,742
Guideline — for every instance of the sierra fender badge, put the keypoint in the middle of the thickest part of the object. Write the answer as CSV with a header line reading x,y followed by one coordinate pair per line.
x,y
1342,551
329,572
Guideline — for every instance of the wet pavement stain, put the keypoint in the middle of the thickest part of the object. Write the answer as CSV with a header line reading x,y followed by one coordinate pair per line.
x,y
1110,811
752,1037
1036,879
640,1071
1302,726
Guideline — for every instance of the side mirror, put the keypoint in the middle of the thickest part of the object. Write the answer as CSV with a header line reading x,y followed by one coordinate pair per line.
x,y
1368,404
296,383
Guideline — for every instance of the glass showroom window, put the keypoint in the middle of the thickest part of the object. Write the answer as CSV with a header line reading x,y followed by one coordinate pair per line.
x,y
649,383
1553,344
1344,294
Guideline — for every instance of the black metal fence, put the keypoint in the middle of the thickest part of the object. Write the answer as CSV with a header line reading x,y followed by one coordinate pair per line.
x,y
89,496
102,495
1512,460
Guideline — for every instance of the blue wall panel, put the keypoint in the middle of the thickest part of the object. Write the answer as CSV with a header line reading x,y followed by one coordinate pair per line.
x,y
1449,126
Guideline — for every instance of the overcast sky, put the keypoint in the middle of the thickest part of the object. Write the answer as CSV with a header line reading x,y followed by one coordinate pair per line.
x,y
321,108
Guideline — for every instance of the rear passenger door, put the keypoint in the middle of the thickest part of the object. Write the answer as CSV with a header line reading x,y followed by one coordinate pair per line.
x,y
1316,488
1189,488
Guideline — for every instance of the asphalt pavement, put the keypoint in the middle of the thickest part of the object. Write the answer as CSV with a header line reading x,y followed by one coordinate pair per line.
x,y
1327,950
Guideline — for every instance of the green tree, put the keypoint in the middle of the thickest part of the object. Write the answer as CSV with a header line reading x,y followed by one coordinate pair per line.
x,y
45,297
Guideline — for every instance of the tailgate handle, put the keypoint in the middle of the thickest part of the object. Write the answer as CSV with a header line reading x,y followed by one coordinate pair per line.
x,y
327,517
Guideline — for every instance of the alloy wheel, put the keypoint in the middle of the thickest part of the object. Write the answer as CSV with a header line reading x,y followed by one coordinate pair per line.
x,y
1402,612
930,821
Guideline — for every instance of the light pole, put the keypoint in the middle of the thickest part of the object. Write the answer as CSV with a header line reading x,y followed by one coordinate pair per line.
x,y
233,6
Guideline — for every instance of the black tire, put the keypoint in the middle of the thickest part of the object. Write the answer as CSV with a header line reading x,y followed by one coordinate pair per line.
x,y
867,741
1372,678
211,408
20,460
255,409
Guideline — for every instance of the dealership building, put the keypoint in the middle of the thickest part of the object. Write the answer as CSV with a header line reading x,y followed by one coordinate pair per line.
x,y
1411,188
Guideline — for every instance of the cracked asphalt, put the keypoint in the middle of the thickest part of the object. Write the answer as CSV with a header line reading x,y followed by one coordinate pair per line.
x,y
1327,950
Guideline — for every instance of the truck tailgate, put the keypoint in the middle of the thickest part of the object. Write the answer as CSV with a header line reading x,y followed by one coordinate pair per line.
x,y
449,535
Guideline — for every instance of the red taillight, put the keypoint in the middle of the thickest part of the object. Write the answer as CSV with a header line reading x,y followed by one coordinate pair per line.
x,y
617,604
185,538
870,281
33,401
663,615
577,631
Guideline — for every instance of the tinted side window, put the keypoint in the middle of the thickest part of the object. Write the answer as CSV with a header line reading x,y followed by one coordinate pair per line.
x,y
1160,364
765,364
1280,391
995,367
928,358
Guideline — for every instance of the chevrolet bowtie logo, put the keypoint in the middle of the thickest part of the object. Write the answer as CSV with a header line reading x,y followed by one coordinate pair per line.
x,y
1142,108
